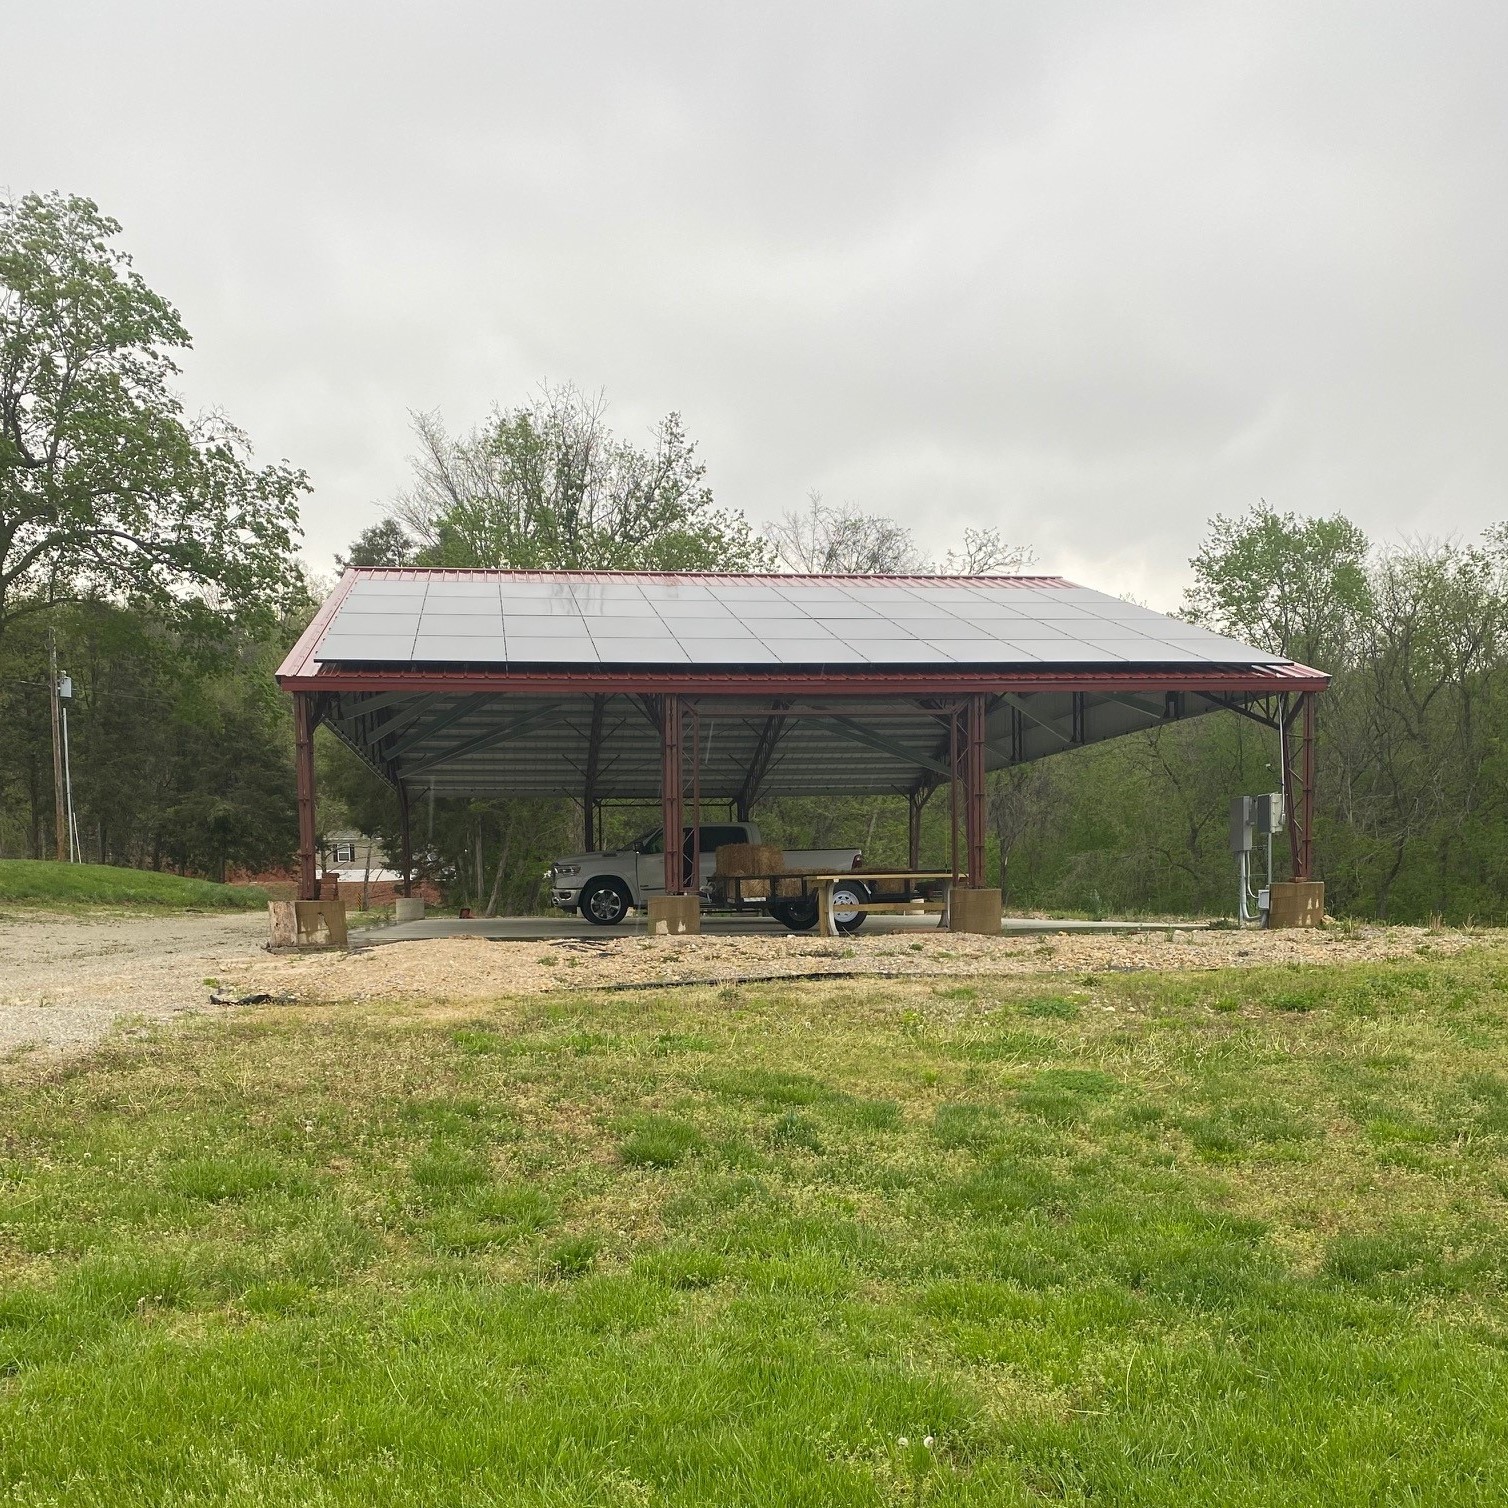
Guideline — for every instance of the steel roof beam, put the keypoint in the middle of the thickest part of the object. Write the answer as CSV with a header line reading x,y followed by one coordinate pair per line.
x,y
464,708
1012,700
383,700
861,735
483,740
406,718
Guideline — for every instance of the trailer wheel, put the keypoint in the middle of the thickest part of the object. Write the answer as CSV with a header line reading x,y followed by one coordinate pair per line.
x,y
847,899
605,902
799,916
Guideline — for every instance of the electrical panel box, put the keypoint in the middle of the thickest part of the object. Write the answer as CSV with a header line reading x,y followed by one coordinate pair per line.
x,y
1270,813
1240,823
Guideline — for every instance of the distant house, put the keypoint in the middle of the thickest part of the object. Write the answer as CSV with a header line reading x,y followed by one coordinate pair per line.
x,y
352,867
353,857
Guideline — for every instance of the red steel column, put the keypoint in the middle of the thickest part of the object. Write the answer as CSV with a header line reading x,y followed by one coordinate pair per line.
x,y
303,759
1287,716
953,762
670,792
1298,782
696,799
1305,865
974,790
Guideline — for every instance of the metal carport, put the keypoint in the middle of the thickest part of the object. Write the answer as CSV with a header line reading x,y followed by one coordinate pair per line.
x,y
616,685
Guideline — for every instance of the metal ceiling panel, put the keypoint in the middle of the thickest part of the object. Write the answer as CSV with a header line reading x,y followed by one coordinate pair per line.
x,y
523,744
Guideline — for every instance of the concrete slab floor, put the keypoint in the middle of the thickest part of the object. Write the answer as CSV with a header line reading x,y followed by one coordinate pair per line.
x,y
543,928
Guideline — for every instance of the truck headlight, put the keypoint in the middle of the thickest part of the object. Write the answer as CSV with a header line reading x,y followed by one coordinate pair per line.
x,y
562,870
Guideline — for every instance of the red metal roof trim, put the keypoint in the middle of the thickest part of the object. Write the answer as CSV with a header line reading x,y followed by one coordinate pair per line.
x,y
757,578
300,660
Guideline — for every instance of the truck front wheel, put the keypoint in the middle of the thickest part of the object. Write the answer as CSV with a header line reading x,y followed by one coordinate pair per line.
x,y
605,902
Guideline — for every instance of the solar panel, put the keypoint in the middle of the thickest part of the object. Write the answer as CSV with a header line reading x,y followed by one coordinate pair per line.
x,y
745,651
522,618
607,625
545,626
489,649
524,650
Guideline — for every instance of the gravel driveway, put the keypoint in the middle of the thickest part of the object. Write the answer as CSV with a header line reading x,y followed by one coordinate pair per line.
x,y
65,981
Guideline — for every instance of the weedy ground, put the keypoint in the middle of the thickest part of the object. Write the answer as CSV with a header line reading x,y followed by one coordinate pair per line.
x,y
1232,1238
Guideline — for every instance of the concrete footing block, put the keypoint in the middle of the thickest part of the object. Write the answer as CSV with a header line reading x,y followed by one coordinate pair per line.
x,y
674,915
282,924
307,924
1297,903
974,911
408,908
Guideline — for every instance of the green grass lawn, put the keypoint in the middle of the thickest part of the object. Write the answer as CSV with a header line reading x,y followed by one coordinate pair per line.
x,y
74,887
1127,1239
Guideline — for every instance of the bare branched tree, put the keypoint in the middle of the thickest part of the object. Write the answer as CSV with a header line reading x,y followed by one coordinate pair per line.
x,y
984,553
821,539
827,541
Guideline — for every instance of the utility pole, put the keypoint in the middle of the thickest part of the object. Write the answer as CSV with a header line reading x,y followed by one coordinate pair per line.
x,y
75,848
60,822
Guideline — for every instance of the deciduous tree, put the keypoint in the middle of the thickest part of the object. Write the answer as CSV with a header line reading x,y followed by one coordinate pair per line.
x,y
548,486
106,488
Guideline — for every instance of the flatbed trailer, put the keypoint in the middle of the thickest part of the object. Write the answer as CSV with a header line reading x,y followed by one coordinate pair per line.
x,y
817,889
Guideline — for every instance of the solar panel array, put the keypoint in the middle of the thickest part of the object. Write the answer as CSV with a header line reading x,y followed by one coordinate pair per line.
x,y
500,619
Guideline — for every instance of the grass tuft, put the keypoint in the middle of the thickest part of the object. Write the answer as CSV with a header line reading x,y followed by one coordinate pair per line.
x,y
659,1141
572,1258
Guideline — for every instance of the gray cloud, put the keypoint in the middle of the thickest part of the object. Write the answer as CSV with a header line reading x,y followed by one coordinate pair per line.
x,y
1085,273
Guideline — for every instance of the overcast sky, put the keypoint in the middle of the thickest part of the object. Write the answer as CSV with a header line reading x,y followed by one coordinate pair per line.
x,y
1085,273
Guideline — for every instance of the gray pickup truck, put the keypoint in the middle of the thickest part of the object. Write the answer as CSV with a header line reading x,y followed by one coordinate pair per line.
x,y
603,886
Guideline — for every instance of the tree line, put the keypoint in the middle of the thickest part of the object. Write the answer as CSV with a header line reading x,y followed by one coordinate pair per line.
x,y
162,564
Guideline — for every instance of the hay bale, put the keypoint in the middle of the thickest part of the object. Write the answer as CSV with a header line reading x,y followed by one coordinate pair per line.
x,y
734,860
737,861
886,889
